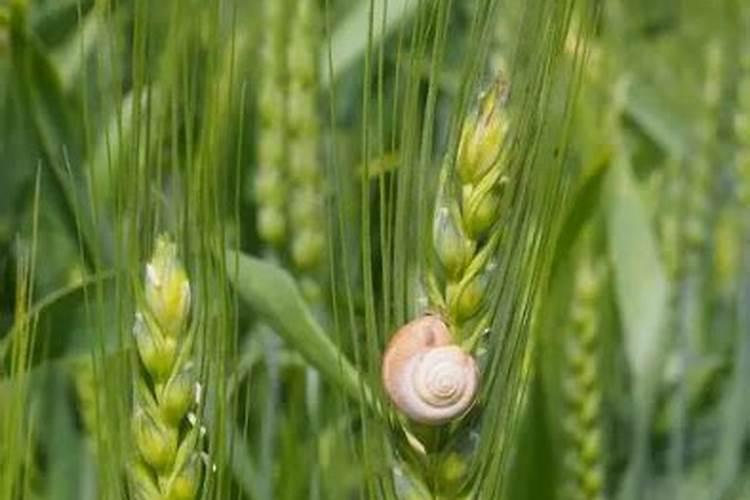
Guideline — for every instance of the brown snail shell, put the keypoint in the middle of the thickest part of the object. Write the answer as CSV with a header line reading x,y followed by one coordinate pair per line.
x,y
427,376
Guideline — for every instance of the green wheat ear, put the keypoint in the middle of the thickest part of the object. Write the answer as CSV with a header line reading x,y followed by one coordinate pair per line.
x,y
583,457
305,205
288,181
166,434
467,213
270,179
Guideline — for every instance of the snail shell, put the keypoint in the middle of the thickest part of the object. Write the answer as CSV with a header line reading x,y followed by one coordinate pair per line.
x,y
427,376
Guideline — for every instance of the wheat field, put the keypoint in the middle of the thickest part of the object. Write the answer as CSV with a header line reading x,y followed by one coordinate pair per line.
x,y
374,249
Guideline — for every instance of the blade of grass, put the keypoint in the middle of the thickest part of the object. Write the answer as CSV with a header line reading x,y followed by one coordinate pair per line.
x,y
642,293
275,295
351,38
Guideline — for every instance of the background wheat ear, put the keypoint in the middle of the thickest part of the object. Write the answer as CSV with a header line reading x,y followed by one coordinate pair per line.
x,y
582,461
166,433
268,184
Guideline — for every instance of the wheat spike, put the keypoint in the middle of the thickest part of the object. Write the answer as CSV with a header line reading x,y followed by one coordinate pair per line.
x,y
166,433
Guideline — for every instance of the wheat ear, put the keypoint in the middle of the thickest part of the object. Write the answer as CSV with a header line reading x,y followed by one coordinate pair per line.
x,y
465,223
583,457
270,183
305,203
168,464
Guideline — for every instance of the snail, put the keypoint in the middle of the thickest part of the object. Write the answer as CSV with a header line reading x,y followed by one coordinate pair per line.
x,y
426,375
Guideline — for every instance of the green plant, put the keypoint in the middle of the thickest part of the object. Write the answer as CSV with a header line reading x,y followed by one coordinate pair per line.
x,y
539,205
166,435
583,465
466,230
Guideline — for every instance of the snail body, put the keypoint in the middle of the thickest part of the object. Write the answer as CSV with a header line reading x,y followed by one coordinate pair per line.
x,y
427,376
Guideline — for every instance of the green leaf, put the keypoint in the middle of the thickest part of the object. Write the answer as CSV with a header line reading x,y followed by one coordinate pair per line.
x,y
640,280
60,318
56,128
244,469
587,204
352,36
647,108
642,291
65,446
70,58
273,293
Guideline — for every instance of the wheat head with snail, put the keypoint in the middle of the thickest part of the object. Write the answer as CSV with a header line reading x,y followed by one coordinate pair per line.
x,y
427,376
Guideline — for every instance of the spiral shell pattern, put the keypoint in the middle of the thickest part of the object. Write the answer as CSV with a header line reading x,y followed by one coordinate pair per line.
x,y
429,378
